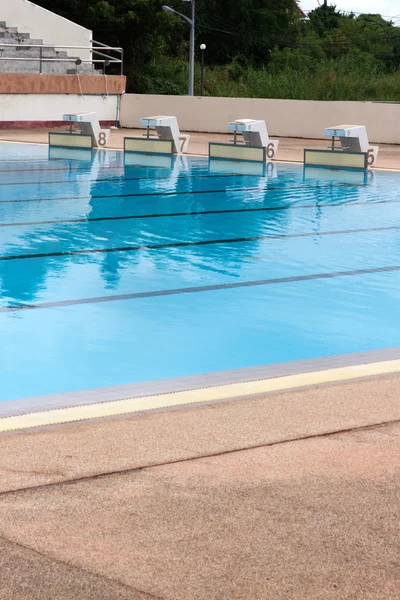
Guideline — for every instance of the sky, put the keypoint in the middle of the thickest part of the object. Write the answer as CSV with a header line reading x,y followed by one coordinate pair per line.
x,y
387,8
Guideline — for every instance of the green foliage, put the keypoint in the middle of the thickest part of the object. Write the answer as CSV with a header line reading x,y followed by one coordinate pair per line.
x,y
140,27
255,48
165,76
246,28
328,83
325,18
288,60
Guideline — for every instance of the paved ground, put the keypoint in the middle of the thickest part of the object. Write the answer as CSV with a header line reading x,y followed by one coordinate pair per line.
x,y
251,499
312,519
50,455
290,149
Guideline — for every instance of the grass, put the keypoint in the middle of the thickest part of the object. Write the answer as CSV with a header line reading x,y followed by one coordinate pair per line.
x,y
327,83
303,86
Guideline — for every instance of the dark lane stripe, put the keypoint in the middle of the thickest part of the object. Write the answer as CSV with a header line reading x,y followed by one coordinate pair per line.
x,y
199,243
122,179
199,212
49,168
135,195
193,290
175,193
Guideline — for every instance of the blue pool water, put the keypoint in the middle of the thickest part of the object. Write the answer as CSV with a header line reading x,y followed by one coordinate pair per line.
x,y
114,273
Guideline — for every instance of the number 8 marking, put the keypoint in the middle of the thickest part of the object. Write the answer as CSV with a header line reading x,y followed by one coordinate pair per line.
x,y
102,139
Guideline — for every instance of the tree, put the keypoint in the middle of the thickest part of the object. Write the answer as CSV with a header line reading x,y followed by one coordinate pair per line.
x,y
244,38
324,18
245,28
373,35
140,27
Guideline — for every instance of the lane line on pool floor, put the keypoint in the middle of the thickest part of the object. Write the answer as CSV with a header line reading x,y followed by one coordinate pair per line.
x,y
196,289
195,396
316,205
140,248
161,194
48,167
121,179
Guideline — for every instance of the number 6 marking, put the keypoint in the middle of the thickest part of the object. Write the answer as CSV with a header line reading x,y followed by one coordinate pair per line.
x,y
270,150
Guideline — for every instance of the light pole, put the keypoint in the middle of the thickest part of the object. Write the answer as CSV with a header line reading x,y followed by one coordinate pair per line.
x,y
191,46
202,48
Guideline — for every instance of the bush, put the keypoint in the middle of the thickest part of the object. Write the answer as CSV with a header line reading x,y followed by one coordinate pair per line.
x,y
355,76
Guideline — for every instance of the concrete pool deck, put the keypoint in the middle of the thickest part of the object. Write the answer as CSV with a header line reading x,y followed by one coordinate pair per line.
x,y
290,149
286,495
290,495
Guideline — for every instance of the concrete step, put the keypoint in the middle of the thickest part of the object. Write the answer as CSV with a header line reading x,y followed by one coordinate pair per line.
x,y
21,41
4,32
16,66
14,36
7,34
24,48
67,68
19,66
55,67
21,52
82,70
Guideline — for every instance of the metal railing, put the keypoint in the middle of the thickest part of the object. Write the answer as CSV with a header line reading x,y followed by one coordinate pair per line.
x,y
97,49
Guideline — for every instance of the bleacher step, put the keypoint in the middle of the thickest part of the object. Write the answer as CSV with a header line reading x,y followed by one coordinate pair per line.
x,y
25,48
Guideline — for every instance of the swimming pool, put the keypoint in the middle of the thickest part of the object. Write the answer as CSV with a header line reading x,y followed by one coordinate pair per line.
x,y
113,273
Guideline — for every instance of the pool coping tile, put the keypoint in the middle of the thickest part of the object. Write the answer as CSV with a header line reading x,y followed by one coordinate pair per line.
x,y
197,389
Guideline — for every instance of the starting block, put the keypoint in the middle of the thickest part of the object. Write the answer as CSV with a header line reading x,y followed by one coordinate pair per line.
x,y
255,146
353,152
89,134
167,139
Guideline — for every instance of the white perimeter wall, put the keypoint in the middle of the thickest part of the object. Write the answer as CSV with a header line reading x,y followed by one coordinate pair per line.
x,y
43,24
51,107
285,118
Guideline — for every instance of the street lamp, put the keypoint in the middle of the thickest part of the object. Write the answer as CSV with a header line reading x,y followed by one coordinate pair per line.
x,y
191,49
202,48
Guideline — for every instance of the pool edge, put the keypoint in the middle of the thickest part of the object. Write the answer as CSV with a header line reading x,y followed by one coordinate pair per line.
x,y
192,396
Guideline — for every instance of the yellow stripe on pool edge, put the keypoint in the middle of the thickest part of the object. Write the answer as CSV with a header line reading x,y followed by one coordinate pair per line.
x,y
232,390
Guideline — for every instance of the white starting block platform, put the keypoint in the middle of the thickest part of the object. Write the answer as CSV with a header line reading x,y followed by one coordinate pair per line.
x,y
167,139
89,134
353,152
255,146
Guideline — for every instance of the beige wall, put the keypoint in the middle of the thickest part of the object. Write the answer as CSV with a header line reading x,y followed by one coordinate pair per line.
x,y
51,107
285,118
